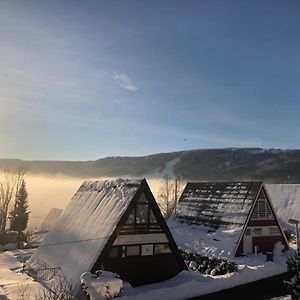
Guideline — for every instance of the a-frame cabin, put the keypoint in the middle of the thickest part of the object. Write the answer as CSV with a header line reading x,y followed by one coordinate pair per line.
x,y
238,216
261,230
112,225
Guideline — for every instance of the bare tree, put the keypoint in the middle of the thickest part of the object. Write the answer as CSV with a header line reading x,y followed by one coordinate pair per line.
x,y
9,187
23,292
169,194
60,289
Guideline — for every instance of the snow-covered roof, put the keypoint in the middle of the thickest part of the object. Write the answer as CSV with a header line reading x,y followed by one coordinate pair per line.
x,y
286,201
83,229
203,240
217,204
50,219
210,216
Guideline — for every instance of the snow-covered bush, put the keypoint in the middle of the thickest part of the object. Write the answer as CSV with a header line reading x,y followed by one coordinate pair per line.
x,y
102,285
206,265
293,266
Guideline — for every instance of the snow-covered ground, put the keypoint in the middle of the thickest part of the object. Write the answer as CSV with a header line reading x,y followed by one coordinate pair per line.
x,y
190,284
184,285
12,281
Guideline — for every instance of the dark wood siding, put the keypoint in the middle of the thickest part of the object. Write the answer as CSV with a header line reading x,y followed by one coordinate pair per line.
x,y
259,223
266,243
139,270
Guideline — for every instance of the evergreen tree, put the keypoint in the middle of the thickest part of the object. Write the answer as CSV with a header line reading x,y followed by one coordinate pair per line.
x,y
293,266
19,215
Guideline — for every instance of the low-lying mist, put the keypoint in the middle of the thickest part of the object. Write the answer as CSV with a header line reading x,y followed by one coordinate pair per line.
x,y
46,192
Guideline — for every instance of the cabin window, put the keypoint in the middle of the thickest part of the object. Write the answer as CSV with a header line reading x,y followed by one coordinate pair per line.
x,y
114,252
133,250
257,231
161,249
152,217
130,219
262,210
123,251
248,231
139,250
274,231
142,199
147,250
141,219
142,214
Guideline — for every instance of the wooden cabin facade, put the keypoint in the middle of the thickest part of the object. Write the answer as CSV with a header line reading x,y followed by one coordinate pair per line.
x,y
262,230
141,249
112,225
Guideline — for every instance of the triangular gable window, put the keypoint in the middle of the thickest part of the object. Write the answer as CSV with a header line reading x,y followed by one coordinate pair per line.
x,y
262,210
141,219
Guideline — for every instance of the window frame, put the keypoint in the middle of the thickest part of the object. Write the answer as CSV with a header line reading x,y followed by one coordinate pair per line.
x,y
257,231
132,246
139,228
160,244
274,229
262,210
122,250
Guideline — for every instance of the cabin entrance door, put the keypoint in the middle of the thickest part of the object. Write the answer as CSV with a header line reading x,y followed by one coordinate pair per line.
x,y
247,241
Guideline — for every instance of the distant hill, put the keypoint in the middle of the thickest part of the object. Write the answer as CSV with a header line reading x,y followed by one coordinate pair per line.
x,y
270,165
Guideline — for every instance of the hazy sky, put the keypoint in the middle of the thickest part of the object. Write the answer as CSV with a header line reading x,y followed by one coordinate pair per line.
x,y
87,79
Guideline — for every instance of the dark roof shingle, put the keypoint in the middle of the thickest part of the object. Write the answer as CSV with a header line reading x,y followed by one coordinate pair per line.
x,y
216,204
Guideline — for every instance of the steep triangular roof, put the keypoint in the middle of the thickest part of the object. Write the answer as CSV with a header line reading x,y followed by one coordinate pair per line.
x,y
210,216
82,231
286,201
219,213
50,219
215,204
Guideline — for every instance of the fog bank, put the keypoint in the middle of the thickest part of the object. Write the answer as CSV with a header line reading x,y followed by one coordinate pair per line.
x,y
46,192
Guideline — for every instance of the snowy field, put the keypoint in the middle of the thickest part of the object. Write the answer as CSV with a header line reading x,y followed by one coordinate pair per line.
x,y
184,285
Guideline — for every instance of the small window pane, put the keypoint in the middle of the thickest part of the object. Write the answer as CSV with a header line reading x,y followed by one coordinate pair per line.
x,y
248,231
142,214
114,252
155,228
152,217
141,228
123,251
147,250
268,212
162,249
274,230
133,250
142,199
257,231
261,208
130,219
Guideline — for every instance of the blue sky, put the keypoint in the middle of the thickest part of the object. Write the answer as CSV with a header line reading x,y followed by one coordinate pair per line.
x,y
86,79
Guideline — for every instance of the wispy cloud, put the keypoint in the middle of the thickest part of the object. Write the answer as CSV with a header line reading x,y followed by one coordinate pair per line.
x,y
124,81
